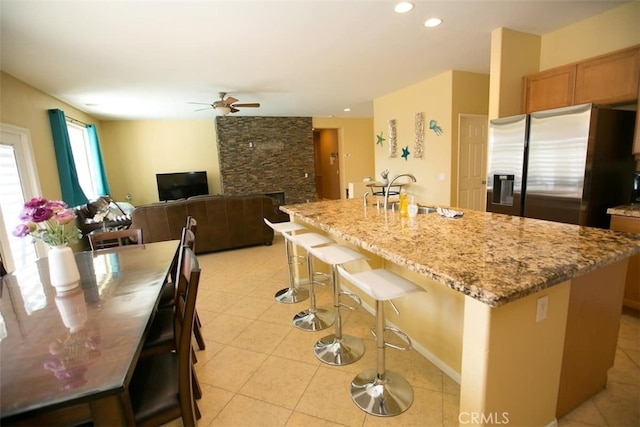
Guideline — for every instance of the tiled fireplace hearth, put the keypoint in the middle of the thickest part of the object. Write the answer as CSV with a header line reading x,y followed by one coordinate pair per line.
x,y
267,155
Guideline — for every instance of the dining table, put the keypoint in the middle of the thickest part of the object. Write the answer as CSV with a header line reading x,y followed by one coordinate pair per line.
x,y
68,357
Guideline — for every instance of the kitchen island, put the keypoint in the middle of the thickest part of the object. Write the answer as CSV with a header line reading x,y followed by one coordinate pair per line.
x,y
523,313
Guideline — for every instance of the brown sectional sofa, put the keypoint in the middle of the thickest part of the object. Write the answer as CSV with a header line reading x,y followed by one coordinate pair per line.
x,y
223,222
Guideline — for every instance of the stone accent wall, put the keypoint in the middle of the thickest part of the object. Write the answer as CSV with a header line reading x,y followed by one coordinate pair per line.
x,y
265,155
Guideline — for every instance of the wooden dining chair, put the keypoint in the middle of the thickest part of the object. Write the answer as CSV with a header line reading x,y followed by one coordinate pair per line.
x,y
161,388
112,239
167,295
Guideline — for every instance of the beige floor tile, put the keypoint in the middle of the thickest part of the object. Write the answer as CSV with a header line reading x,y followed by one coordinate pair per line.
x,y
249,307
298,419
450,409
261,337
230,368
450,386
280,381
298,345
243,411
203,356
212,402
586,413
619,404
624,369
217,301
281,314
328,397
224,328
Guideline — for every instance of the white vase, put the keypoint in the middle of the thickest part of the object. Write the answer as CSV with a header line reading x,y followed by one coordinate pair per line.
x,y
63,270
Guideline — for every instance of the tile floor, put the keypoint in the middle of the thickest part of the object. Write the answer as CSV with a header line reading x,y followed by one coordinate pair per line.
x,y
258,370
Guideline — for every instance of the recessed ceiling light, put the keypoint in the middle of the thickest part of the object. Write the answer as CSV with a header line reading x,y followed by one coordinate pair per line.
x,y
347,109
403,7
432,22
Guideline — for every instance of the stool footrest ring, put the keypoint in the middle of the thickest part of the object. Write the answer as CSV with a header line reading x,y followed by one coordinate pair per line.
x,y
400,334
354,297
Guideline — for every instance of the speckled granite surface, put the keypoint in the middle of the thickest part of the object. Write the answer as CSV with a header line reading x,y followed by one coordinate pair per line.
x,y
625,210
491,257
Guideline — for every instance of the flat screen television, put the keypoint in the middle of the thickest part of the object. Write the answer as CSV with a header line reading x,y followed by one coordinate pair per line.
x,y
180,185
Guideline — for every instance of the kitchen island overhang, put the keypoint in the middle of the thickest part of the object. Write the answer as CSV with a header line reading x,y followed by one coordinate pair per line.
x,y
496,268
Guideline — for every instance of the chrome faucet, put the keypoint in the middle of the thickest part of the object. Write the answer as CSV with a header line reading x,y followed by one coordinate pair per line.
x,y
386,193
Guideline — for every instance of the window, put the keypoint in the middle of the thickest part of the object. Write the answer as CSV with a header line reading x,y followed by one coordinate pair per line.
x,y
19,183
87,175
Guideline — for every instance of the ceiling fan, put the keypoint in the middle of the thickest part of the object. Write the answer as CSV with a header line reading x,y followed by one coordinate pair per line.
x,y
227,105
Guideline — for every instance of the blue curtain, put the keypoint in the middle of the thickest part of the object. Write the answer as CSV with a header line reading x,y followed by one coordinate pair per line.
x,y
102,186
72,194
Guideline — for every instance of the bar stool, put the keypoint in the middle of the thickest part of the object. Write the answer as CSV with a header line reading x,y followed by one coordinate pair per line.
x,y
313,319
338,349
292,294
377,391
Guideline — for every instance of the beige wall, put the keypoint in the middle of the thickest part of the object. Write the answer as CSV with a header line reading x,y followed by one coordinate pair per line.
x,y
513,55
355,142
470,96
613,30
25,106
442,99
135,151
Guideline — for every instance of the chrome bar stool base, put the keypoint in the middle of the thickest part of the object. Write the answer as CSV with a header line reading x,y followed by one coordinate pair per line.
x,y
291,295
383,397
339,352
314,321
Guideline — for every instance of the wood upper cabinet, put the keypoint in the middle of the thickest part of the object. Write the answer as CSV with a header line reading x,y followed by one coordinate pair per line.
x,y
549,89
608,79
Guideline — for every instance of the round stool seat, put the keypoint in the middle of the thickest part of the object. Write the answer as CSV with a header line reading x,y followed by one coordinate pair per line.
x,y
312,319
337,349
378,391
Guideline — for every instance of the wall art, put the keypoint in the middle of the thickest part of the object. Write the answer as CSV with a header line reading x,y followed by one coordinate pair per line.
x,y
393,143
419,131
405,152
380,139
433,125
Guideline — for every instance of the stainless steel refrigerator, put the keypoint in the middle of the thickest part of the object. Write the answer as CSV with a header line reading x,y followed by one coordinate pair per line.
x,y
567,164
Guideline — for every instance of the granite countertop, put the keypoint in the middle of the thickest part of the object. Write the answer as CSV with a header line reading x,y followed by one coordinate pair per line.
x,y
493,258
625,210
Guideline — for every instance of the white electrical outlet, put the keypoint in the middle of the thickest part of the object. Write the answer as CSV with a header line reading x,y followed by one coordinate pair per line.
x,y
441,176
541,309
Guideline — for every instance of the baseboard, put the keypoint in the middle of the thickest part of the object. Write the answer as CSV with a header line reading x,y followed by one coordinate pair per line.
x,y
446,369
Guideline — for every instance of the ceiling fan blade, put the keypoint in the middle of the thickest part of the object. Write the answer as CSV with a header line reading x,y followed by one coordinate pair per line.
x,y
202,109
200,103
230,100
251,104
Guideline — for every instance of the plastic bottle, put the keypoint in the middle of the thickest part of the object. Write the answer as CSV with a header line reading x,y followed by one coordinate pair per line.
x,y
404,205
413,208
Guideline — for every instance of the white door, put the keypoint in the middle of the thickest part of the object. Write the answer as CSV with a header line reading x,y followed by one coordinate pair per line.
x,y
19,183
472,162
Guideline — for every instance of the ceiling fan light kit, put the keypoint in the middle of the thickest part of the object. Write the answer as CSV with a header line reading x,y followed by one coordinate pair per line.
x,y
228,105
223,110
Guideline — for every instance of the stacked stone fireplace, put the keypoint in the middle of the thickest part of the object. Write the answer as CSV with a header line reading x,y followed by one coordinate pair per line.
x,y
267,155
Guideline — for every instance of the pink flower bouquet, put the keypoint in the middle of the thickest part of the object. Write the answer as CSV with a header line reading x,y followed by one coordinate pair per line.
x,y
47,220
